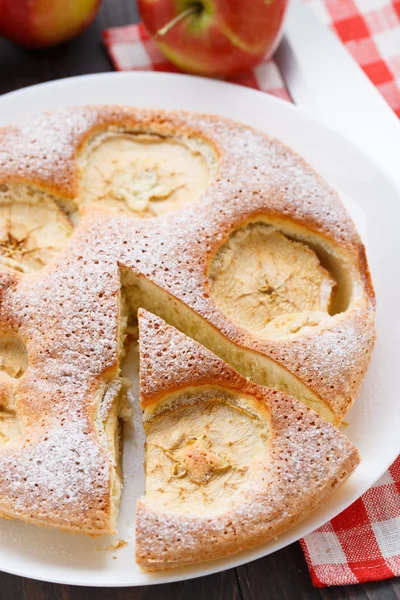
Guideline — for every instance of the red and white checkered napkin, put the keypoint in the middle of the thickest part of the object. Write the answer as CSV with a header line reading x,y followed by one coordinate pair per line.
x,y
363,542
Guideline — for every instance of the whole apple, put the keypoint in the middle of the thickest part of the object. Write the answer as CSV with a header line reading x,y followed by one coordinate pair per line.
x,y
214,37
43,23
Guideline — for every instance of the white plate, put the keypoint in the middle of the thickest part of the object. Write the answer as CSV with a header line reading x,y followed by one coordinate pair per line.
x,y
374,422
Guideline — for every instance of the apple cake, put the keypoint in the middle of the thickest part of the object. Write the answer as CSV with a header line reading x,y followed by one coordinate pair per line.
x,y
229,464
223,233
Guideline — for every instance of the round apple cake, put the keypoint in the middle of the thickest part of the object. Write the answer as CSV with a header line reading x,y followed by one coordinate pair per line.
x,y
248,255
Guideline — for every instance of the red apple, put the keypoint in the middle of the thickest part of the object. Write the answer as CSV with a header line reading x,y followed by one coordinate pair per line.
x,y
43,23
214,37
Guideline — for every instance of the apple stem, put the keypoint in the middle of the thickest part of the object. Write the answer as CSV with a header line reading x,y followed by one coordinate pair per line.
x,y
191,10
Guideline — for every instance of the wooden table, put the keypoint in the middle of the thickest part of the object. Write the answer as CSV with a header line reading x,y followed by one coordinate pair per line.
x,y
281,576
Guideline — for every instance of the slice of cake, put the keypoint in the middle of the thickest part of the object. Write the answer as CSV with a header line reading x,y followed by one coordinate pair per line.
x,y
229,464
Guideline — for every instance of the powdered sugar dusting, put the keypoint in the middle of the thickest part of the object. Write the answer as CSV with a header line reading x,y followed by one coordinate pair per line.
x,y
63,471
172,361
338,356
307,459
67,314
42,148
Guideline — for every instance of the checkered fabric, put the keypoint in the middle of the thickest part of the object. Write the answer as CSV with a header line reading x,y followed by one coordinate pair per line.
x,y
363,542
370,30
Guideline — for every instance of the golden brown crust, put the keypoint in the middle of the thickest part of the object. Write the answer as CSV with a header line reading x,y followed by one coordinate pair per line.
x,y
170,363
307,457
57,471
67,314
44,152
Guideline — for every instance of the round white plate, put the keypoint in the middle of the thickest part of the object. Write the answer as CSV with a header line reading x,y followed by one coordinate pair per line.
x,y
374,421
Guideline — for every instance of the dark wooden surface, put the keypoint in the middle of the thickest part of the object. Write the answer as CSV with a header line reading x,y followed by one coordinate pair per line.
x,y
281,576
